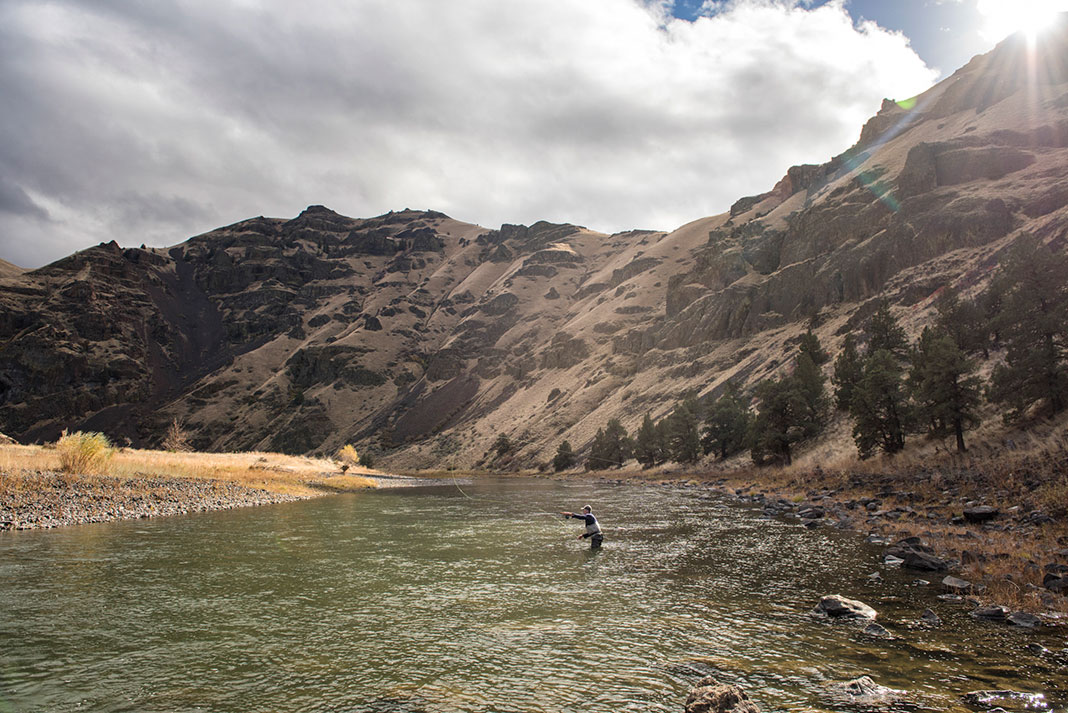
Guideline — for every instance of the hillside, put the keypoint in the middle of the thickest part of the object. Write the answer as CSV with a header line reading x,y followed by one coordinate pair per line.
x,y
427,337
9,270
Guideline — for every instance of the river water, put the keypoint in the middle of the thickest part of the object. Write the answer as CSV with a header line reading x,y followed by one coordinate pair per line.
x,y
476,597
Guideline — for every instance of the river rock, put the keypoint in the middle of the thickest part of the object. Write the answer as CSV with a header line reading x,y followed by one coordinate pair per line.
x,y
708,696
838,607
957,585
981,513
863,692
915,554
1016,700
929,618
993,613
1025,620
1055,582
924,562
877,631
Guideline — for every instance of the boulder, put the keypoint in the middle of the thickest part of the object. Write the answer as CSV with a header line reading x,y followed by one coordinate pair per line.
x,y
1025,620
957,585
838,607
992,613
924,562
708,696
877,631
929,618
981,513
1055,582
1004,699
863,692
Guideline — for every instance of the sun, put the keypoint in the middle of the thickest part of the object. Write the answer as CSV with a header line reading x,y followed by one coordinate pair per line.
x,y
1002,18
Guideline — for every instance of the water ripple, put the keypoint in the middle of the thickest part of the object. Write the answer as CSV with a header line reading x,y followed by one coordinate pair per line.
x,y
428,601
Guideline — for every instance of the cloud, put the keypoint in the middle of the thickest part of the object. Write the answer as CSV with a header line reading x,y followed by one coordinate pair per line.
x,y
151,122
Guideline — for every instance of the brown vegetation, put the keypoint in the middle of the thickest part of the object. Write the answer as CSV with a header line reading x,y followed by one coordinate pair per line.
x,y
273,472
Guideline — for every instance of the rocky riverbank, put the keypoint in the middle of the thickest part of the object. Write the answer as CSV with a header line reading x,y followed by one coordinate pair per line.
x,y
1012,553
49,499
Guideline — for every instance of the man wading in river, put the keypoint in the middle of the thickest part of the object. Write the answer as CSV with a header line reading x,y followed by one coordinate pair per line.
x,y
593,530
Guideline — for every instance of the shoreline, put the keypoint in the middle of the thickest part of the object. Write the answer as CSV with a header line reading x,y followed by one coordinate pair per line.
x,y
50,500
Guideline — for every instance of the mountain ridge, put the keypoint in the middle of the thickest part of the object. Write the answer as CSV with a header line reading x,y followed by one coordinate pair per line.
x,y
425,337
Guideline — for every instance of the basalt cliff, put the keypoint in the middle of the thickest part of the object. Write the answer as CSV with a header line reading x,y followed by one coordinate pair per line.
x,y
424,337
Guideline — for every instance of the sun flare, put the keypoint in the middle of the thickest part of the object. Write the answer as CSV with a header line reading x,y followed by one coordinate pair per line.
x,y
1002,18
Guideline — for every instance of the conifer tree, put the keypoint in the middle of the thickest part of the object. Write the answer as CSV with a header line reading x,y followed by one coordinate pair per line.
x,y
884,333
648,448
810,345
774,430
611,447
810,386
848,368
946,388
1034,327
879,406
565,457
726,424
683,441
963,321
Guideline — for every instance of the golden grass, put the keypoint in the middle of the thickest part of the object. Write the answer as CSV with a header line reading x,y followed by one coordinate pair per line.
x,y
274,472
81,452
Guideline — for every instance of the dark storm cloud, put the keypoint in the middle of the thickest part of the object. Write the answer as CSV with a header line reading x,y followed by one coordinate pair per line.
x,y
150,122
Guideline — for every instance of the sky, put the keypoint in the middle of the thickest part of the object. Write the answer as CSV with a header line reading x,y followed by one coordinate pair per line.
x,y
151,122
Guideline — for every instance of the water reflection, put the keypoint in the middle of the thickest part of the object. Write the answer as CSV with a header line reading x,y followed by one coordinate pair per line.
x,y
439,599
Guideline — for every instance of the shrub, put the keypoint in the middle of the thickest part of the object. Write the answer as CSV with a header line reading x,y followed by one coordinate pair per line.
x,y
503,445
177,438
367,459
84,452
347,455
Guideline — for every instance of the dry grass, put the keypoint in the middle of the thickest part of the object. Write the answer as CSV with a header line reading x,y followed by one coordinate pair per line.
x,y
84,452
291,475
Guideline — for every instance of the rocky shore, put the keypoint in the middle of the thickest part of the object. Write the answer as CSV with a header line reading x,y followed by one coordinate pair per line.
x,y
49,499
1005,560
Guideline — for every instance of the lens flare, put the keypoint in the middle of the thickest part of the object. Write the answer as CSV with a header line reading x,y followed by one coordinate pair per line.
x,y
1004,17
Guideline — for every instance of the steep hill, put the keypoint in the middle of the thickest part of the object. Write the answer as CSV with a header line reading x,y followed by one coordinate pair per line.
x,y
427,337
9,270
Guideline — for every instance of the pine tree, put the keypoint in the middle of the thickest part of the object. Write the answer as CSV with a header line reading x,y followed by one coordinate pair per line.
x,y
879,407
683,442
565,457
726,424
884,333
1034,326
963,320
848,368
946,387
919,358
611,447
810,345
774,430
648,448
810,387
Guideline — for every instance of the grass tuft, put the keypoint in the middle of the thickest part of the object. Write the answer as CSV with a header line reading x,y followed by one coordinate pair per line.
x,y
84,453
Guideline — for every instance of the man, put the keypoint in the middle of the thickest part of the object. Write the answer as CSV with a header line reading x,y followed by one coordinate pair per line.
x,y
593,530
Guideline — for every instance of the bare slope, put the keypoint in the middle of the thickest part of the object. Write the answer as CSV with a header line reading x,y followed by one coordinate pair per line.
x,y
428,337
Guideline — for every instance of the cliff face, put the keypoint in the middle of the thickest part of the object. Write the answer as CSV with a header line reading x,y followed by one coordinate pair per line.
x,y
428,337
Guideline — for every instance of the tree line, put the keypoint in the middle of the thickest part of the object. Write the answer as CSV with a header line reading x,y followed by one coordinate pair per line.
x,y
890,388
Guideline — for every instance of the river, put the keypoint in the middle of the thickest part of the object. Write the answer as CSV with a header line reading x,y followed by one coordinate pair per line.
x,y
477,597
